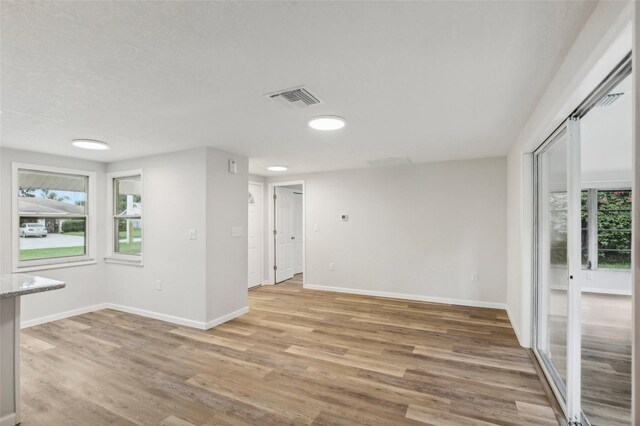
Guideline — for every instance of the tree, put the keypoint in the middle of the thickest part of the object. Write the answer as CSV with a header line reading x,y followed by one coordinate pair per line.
x,y
26,192
52,195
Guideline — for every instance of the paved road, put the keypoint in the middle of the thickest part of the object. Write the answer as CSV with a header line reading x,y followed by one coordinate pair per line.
x,y
51,241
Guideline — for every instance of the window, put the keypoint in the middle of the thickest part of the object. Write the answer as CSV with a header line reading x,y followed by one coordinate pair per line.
x,y
52,216
606,229
126,211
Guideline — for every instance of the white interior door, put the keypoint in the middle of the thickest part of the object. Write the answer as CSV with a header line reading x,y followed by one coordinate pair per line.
x,y
254,231
297,232
284,236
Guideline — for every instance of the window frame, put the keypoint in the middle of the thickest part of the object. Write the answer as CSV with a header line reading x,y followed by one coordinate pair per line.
x,y
91,222
112,255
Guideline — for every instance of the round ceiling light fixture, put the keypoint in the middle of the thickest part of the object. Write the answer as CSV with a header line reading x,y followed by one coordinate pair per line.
x,y
277,168
327,122
90,144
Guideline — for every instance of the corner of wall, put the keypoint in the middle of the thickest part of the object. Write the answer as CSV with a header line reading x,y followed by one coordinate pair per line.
x,y
226,238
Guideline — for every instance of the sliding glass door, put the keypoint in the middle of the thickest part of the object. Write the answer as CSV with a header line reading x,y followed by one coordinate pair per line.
x,y
558,245
583,221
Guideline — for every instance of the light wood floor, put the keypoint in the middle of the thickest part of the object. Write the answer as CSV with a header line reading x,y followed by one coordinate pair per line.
x,y
606,359
299,357
606,354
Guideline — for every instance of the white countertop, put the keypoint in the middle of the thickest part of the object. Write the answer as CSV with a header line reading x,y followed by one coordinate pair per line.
x,y
20,284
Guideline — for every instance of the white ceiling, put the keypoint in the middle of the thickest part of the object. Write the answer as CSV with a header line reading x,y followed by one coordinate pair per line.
x,y
429,81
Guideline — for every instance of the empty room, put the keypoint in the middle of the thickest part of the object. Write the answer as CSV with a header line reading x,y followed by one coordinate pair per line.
x,y
319,213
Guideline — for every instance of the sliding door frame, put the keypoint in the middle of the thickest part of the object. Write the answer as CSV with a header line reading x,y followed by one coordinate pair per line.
x,y
567,394
572,406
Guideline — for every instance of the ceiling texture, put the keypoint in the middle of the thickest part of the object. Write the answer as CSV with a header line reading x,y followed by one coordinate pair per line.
x,y
430,81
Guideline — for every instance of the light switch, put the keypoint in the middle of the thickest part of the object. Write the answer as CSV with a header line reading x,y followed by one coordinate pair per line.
x,y
237,231
192,234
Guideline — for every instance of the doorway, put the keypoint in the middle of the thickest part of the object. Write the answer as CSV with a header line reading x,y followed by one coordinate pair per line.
x,y
286,220
255,234
583,286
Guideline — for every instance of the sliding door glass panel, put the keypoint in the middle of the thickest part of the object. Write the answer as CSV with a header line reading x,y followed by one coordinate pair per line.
x,y
552,283
606,145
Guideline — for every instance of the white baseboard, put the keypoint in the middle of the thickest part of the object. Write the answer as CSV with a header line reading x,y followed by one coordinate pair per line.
x,y
156,315
267,283
62,315
225,318
607,291
415,297
149,314
515,329
8,420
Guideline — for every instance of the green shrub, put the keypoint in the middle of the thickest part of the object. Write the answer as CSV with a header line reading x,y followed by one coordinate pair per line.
x,y
73,226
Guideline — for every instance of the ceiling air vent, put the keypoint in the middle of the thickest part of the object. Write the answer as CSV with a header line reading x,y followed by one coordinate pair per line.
x,y
609,99
385,162
298,97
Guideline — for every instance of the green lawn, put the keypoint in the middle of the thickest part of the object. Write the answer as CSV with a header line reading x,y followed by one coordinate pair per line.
x,y
614,265
133,248
51,252
137,233
45,253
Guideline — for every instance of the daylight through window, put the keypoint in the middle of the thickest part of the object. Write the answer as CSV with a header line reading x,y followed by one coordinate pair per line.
x,y
52,216
127,215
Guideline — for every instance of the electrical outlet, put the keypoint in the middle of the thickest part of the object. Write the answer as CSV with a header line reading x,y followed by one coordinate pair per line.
x,y
316,227
332,266
475,277
159,285
192,234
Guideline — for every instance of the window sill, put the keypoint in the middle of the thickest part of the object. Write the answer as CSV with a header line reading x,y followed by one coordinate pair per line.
x,y
128,262
21,269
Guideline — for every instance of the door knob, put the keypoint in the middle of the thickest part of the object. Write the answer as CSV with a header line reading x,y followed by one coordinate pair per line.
x,y
293,238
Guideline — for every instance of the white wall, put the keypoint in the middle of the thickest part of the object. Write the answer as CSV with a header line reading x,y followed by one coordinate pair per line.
x,y
602,43
174,200
256,178
204,281
227,258
415,231
606,163
85,284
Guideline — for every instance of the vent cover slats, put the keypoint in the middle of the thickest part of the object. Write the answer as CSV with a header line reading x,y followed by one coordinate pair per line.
x,y
299,97
608,99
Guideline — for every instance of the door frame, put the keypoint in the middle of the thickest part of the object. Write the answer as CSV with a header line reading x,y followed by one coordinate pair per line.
x,y
261,228
573,404
570,401
271,226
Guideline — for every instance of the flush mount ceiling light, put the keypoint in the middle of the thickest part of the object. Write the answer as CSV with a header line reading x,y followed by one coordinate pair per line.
x,y
327,122
277,168
89,144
